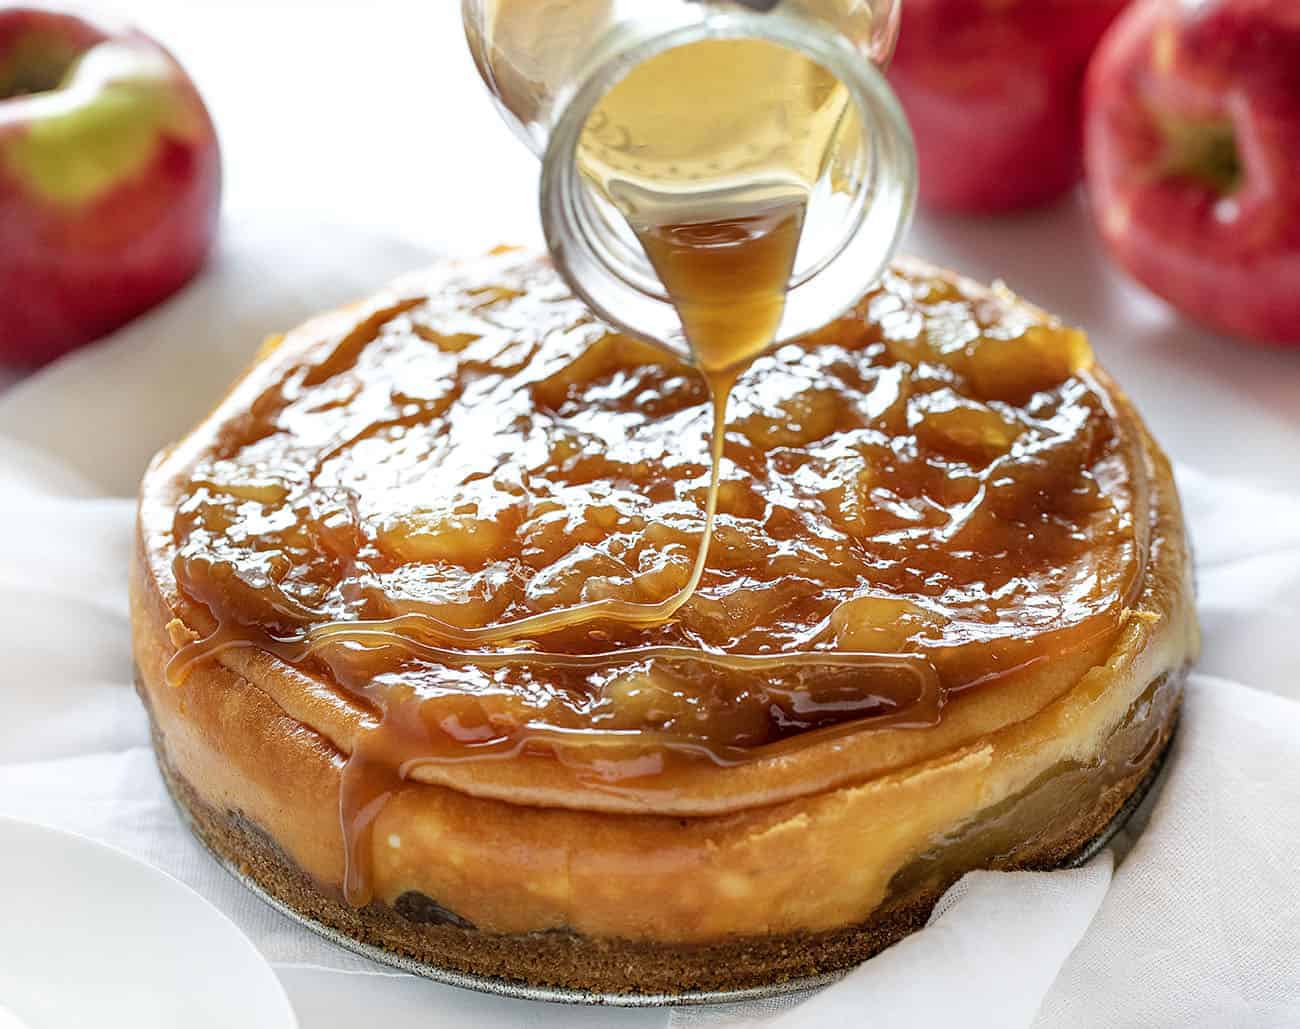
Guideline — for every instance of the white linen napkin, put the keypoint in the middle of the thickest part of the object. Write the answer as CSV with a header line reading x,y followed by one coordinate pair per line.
x,y
1199,924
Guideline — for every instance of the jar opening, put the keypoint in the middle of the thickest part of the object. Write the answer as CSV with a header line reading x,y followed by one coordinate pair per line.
x,y
839,140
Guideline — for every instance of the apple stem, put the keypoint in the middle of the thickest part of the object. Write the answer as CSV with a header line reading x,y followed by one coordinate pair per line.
x,y
1203,150
33,69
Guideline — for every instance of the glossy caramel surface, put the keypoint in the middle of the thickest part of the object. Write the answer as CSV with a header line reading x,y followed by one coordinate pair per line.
x,y
467,509
727,279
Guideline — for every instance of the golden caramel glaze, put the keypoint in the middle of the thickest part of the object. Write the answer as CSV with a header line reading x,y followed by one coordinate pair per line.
x,y
727,278
408,501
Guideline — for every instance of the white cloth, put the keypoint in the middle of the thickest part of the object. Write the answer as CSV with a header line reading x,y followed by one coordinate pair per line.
x,y
1198,925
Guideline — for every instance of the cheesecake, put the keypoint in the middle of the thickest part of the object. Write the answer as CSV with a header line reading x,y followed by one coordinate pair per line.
x,y
400,627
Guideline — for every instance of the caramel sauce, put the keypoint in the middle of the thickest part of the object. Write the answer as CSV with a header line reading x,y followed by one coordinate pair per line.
x,y
511,535
727,278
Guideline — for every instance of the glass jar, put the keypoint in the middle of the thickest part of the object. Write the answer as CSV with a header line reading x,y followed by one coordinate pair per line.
x,y
549,64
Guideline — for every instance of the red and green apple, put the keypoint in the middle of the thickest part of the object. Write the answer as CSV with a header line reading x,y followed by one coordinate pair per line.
x,y
110,179
1193,158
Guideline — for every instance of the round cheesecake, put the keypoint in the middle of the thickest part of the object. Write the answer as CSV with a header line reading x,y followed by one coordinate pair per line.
x,y
394,607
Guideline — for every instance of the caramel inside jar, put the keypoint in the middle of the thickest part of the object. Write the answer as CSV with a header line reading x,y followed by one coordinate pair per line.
x,y
458,512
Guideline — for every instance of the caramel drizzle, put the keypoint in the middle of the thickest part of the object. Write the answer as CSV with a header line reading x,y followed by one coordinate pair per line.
x,y
628,763
920,709
627,612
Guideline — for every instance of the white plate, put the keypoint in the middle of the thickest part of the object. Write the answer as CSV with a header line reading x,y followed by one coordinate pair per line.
x,y
90,937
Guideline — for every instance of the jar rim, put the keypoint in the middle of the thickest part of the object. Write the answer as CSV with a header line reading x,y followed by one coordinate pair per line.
x,y
882,211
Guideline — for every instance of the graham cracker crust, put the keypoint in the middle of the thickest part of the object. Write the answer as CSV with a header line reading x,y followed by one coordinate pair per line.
x,y
418,928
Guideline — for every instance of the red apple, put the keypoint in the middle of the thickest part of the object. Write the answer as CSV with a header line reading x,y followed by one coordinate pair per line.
x,y
1193,155
993,91
110,179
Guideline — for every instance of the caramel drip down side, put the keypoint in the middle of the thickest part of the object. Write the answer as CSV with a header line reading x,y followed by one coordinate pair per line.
x,y
629,763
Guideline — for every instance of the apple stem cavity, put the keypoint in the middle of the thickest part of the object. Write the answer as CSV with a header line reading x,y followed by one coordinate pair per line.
x,y
1203,150
35,64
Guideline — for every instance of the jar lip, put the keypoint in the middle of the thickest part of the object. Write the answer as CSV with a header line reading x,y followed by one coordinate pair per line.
x,y
630,45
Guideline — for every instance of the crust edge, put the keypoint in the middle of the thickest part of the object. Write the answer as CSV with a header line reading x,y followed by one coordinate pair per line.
x,y
569,960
